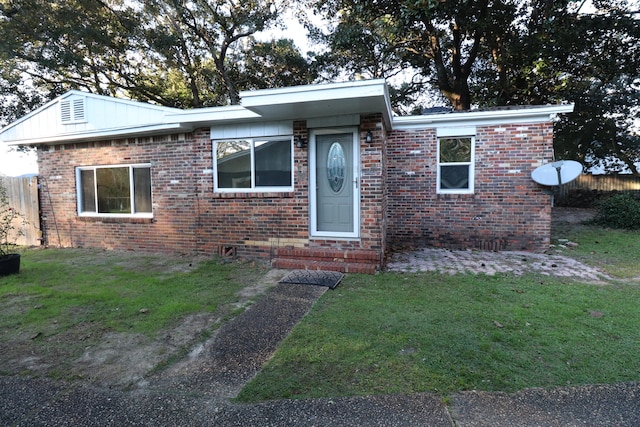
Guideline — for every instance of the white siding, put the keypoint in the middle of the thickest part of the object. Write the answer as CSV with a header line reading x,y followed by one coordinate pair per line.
x,y
101,114
252,130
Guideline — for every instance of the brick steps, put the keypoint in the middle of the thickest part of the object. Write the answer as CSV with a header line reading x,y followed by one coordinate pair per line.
x,y
354,261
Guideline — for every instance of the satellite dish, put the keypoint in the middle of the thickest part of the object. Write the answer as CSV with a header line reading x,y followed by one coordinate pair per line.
x,y
557,173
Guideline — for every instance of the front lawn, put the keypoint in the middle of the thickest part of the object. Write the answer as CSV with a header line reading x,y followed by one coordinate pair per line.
x,y
405,333
70,312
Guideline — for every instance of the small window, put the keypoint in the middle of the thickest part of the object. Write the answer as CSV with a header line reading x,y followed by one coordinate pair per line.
x,y
246,165
455,164
114,190
72,110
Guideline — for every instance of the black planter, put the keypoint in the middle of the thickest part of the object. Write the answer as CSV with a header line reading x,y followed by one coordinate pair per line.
x,y
9,264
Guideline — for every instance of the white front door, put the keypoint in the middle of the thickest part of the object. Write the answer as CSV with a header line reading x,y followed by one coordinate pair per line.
x,y
334,186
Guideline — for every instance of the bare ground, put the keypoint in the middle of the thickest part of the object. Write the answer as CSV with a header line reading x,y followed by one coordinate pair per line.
x,y
572,215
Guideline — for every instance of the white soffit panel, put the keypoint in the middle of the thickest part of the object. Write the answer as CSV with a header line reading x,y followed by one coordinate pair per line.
x,y
205,116
129,132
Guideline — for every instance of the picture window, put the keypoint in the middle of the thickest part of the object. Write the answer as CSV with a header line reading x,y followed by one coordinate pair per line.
x,y
114,190
250,165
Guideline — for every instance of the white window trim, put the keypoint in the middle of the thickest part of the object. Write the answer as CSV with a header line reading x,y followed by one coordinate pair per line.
x,y
131,166
253,189
471,164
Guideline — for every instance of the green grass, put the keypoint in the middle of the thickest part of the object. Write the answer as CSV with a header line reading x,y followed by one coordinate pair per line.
x,y
613,250
406,333
92,291
63,288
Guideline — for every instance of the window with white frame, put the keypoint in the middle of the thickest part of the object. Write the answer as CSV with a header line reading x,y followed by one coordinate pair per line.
x,y
456,164
120,190
254,164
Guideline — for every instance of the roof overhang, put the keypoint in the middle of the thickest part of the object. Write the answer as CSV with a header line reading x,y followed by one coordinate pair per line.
x,y
524,114
312,101
294,103
290,103
128,132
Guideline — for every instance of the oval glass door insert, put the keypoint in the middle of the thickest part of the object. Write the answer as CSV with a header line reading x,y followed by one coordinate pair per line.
x,y
336,162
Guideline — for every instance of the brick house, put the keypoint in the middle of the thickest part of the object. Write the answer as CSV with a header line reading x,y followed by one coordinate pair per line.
x,y
318,176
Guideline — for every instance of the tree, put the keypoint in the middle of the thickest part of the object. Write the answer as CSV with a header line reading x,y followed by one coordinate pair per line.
x,y
197,37
505,52
170,52
440,39
276,63
601,74
79,43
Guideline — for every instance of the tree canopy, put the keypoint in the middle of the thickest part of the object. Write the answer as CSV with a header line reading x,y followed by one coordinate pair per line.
x,y
487,53
170,52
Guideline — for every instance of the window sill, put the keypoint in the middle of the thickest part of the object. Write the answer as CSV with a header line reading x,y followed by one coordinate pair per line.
x,y
116,220
448,196
266,195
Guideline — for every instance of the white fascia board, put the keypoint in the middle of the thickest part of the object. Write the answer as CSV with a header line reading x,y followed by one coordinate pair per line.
x,y
536,114
312,92
128,132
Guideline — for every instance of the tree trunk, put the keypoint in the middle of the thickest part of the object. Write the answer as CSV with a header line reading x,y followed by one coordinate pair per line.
x,y
461,97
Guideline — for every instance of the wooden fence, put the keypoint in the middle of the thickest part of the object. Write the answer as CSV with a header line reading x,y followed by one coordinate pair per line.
x,y
598,183
23,196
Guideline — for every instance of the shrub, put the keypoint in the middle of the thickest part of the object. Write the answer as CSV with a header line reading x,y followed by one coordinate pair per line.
x,y
619,211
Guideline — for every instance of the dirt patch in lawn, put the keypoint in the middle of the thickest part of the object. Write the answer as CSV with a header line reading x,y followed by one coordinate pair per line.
x,y
148,262
91,352
572,215
87,351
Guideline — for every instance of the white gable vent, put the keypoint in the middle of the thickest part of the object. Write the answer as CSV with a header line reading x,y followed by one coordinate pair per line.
x,y
72,110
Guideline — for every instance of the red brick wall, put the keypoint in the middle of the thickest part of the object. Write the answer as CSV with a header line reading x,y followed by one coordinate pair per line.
x,y
188,217
507,210
399,204
373,183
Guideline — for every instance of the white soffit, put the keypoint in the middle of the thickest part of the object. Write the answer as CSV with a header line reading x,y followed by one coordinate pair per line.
x,y
525,114
312,101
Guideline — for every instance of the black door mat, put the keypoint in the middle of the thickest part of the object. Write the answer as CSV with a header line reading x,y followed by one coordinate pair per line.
x,y
330,279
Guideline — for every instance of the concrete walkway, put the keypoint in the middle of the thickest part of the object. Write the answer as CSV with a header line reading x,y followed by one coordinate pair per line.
x,y
197,391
